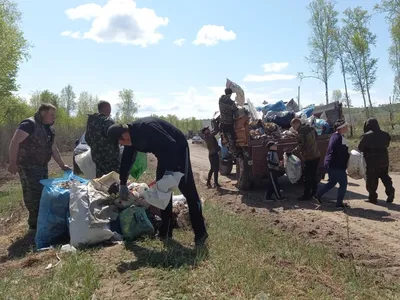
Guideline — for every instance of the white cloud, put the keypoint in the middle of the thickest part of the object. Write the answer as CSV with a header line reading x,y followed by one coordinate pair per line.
x,y
75,35
268,77
179,42
210,35
275,67
119,21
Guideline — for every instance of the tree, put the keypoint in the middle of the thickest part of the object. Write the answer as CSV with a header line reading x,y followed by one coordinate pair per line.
x,y
390,7
87,104
35,99
67,99
13,46
340,55
48,97
337,96
323,22
357,42
127,106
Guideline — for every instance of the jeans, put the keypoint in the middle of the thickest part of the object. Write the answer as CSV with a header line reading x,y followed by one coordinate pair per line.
x,y
214,167
335,176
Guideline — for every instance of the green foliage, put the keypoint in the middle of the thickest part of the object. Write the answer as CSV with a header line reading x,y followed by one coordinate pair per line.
x,y
127,108
323,23
13,110
13,46
67,99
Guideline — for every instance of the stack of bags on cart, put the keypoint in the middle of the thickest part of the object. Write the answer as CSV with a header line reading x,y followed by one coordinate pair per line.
x,y
91,212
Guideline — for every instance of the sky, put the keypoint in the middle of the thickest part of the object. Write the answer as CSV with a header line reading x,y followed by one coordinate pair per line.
x,y
176,55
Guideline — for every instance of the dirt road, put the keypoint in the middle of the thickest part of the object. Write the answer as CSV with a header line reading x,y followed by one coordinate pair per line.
x,y
369,233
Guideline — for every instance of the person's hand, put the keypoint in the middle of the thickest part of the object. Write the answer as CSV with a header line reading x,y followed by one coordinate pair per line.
x,y
281,163
65,168
13,168
123,192
289,153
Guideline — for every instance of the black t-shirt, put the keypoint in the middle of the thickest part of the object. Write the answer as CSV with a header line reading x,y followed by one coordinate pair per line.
x,y
29,127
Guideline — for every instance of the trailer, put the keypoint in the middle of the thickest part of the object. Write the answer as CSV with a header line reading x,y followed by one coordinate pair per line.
x,y
251,165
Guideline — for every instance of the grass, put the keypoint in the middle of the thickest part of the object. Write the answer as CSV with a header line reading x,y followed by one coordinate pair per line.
x,y
245,259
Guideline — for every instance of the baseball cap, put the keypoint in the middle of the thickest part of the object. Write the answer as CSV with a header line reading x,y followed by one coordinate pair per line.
x,y
204,129
270,144
115,132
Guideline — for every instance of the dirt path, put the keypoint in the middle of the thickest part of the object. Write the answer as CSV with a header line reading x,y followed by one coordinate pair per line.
x,y
369,233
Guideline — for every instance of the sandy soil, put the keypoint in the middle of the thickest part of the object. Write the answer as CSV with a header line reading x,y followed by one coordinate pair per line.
x,y
368,233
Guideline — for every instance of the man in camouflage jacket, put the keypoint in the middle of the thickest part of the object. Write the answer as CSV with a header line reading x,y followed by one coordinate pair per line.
x,y
105,154
31,149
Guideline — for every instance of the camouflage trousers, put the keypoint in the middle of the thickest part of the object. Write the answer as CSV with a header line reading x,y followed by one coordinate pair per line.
x,y
105,166
30,177
229,133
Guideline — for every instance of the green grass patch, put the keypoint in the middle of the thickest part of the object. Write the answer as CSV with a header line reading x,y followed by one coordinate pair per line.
x,y
77,277
10,198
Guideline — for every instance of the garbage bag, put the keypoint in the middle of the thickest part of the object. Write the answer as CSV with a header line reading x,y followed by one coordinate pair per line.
x,y
278,106
86,164
135,223
292,106
54,209
307,111
356,167
292,166
282,119
82,233
140,165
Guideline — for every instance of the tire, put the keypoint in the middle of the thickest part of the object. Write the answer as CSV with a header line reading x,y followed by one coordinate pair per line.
x,y
225,167
242,174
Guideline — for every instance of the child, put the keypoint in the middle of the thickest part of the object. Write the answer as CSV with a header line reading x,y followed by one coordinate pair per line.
x,y
274,173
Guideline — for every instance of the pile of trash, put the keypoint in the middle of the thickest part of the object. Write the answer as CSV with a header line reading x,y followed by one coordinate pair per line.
x,y
274,121
91,212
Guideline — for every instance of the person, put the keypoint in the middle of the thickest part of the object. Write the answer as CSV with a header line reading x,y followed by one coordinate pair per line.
x,y
169,145
274,173
213,155
227,108
308,148
105,154
374,144
30,151
336,158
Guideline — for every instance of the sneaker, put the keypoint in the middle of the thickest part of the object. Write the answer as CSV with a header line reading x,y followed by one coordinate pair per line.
x,y
342,206
209,185
199,242
390,198
281,198
217,185
304,198
372,201
317,198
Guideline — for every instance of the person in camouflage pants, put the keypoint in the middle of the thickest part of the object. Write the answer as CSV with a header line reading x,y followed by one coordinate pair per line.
x,y
31,149
105,154
228,108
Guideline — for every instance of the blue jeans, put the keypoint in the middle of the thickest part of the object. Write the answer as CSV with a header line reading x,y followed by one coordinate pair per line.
x,y
335,176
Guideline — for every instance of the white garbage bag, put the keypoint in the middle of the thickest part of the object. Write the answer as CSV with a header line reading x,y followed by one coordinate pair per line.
x,y
86,164
292,166
80,229
356,167
160,193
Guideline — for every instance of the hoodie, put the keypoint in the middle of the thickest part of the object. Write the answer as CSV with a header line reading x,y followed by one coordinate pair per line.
x,y
307,140
227,108
374,144
103,150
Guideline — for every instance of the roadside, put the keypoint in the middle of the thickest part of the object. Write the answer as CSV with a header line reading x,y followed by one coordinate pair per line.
x,y
368,233
246,258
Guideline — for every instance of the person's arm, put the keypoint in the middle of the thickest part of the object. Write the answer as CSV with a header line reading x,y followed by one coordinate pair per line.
x,y
362,144
18,138
214,132
127,161
107,124
300,144
58,159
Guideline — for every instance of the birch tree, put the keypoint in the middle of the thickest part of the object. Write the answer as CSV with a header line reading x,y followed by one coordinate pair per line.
x,y
323,22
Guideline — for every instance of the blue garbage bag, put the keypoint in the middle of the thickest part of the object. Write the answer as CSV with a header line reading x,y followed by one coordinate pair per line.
x,y
308,111
322,126
278,106
54,210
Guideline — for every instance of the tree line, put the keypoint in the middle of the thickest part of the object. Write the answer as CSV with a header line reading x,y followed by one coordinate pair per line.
x,y
348,41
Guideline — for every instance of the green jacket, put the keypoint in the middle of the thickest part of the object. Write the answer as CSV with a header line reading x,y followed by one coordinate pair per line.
x,y
307,142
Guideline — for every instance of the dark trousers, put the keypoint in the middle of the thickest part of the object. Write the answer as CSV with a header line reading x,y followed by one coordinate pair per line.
x,y
187,187
30,177
229,133
373,176
273,184
310,177
214,167
335,176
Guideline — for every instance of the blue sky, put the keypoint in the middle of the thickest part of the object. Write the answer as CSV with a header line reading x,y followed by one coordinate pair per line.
x,y
177,54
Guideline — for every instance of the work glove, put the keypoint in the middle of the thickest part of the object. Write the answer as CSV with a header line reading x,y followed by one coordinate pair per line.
x,y
123,192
